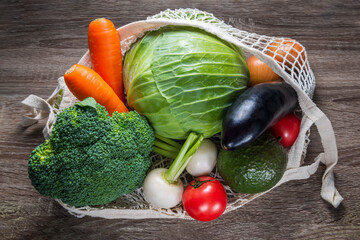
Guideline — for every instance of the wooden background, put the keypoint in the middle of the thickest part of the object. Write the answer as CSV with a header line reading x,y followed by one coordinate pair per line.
x,y
39,40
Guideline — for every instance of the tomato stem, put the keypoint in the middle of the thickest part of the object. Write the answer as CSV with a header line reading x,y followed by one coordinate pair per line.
x,y
198,183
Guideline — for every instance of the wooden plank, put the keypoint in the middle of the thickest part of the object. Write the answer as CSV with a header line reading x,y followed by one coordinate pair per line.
x,y
39,40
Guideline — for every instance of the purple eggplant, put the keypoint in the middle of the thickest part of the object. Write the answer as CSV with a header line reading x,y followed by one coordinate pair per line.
x,y
254,111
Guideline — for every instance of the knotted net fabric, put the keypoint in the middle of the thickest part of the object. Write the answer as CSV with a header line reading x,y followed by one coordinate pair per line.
x,y
296,72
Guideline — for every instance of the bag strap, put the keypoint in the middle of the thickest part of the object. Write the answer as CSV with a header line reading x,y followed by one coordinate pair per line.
x,y
330,155
38,108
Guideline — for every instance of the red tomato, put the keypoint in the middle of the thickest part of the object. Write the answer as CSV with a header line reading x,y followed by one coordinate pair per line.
x,y
205,199
287,129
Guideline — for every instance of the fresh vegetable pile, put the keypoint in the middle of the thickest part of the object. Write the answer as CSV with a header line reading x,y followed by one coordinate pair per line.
x,y
182,87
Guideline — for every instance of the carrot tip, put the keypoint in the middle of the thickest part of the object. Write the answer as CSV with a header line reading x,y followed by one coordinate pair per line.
x,y
70,69
99,19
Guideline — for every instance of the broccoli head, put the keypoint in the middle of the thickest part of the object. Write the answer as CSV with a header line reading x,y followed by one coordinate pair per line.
x,y
92,158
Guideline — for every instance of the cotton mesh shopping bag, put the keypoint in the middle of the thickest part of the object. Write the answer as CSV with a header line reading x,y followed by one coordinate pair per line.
x,y
297,73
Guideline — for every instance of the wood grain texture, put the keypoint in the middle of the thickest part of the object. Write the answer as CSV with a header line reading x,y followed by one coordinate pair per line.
x,y
39,40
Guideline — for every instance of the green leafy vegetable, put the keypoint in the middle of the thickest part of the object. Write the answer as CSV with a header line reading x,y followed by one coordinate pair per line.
x,y
92,158
183,80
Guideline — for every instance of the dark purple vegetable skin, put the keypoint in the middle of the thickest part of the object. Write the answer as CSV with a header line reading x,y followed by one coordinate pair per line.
x,y
254,111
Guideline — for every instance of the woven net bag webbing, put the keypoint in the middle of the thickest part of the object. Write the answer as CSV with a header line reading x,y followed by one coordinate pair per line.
x,y
297,73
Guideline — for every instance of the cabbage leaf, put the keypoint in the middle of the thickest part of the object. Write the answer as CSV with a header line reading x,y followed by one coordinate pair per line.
x,y
183,80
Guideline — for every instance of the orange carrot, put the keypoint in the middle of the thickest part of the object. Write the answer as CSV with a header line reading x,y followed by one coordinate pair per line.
x,y
105,52
84,82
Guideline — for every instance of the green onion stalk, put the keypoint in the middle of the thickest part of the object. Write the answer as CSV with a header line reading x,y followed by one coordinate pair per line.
x,y
162,187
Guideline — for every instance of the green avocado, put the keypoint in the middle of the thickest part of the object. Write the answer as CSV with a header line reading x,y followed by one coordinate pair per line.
x,y
255,168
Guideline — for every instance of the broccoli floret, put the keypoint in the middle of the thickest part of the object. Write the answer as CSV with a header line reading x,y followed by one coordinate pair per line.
x,y
92,158
83,121
39,165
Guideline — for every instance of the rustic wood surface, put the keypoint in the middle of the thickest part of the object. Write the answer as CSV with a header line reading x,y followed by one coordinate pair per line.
x,y
39,40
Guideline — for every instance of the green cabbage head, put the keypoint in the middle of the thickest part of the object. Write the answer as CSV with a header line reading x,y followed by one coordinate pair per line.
x,y
183,80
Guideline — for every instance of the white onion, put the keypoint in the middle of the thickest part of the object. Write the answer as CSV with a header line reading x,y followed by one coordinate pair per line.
x,y
204,159
159,192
